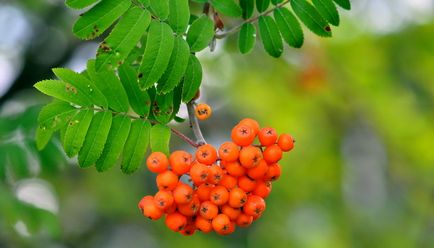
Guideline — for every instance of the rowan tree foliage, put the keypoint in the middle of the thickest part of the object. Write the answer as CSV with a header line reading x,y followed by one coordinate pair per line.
x,y
146,67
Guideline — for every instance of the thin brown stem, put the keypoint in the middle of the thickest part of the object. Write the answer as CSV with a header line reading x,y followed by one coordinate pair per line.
x,y
250,20
184,138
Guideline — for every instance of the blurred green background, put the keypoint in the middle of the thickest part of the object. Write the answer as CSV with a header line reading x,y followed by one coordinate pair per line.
x,y
361,106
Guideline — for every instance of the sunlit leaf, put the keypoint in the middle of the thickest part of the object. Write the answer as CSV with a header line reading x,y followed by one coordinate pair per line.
x,y
289,27
200,33
247,38
192,79
136,146
76,132
270,36
160,138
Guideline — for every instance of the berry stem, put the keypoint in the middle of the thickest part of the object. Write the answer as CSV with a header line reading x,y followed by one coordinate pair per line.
x,y
184,137
250,20
194,124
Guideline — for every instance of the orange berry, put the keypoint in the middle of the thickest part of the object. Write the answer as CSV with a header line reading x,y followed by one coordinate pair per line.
x,y
188,230
150,209
244,220
167,180
228,182
272,154
183,193
230,230
204,192
157,162
206,154
215,174
235,169
273,172
252,123
247,184
231,212
259,171
285,142
208,210
250,156
219,195
171,209
203,111
263,189
221,223
237,198
176,221
229,151
191,208
163,199
254,206
199,173
202,224
180,162
267,136
243,135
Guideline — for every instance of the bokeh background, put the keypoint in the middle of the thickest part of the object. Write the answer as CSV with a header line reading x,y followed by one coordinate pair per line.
x,y
361,106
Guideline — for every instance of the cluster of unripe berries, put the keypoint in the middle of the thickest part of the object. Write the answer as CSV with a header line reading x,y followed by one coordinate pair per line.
x,y
226,187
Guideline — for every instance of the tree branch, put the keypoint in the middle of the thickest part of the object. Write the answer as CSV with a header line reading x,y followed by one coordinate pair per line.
x,y
194,123
250,20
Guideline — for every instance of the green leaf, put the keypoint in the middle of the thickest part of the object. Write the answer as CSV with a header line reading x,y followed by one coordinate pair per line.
x,y
345,4
64,91
200,34
163,108
79,4
139,100
227,7
145,3
83,85
247,38
270,36
17,160
158,50
289,27
262,5
110,86
160,8
55,114
179,15
43,136
76,132
124,37
177,99
192,79
328,10
311,18
276,2
95,140
160,138
177,66
115,143
248,7
95,21
136,146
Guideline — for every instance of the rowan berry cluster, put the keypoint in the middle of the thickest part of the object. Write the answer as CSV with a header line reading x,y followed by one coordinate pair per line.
x,y
226,187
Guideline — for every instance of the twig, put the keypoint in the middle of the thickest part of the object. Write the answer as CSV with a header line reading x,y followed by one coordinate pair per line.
x,y
185,138
250,20
194,123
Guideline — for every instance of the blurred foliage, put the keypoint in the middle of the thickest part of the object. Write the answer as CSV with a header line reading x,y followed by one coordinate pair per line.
x,y
360,107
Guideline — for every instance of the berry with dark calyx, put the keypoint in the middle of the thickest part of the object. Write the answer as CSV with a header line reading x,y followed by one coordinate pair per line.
x,y
203,111
267,136
206,154
243,135
157,162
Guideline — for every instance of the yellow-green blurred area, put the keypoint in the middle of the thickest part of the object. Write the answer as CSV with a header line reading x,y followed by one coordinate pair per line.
x,y
360,105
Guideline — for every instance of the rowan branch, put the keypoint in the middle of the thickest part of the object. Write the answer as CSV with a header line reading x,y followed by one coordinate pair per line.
x,y
250,20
